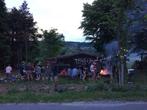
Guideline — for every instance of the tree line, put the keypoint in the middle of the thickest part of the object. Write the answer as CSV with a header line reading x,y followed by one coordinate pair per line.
x,y
19,37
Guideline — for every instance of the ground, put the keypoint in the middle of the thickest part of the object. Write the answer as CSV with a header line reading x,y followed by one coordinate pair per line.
x,y
69,90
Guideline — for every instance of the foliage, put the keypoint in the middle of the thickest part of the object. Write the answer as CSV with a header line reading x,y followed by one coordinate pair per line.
x,y
51,44
4,44
106,20
103,21
22,33
100,85
19,37
40,91
141,36
141,40
99,22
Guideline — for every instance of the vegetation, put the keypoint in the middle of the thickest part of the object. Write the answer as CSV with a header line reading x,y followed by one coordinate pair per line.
x,y
22,34
72,96
4,44
107,20
99,22
140,37
73,90
19,37
104,21
51,45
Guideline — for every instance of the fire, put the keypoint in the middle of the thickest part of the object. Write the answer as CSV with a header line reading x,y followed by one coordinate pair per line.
x,y
103,72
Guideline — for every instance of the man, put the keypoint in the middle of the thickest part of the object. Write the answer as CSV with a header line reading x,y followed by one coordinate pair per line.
x,y
22,70
8,71
54,73
93,70
38,72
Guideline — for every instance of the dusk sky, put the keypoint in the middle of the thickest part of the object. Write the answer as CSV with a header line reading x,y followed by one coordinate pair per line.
x,y
64,15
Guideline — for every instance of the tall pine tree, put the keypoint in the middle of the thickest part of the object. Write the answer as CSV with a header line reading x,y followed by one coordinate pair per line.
x,y
4,44
23,34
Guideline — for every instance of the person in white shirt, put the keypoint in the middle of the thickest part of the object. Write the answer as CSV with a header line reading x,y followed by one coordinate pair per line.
x,y
8,71
93,70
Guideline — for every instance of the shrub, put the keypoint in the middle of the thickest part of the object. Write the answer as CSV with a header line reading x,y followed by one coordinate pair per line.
x,y
99,85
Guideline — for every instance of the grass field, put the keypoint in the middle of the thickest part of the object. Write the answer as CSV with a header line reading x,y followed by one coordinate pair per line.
x,y
72,96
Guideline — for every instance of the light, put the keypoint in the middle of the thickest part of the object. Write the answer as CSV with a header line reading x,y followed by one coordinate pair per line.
x,y
104,72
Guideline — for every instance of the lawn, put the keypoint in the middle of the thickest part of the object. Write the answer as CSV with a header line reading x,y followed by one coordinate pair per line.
x,y
27,97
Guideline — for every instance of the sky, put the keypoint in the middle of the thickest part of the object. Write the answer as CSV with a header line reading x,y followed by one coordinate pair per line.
x,y
64,15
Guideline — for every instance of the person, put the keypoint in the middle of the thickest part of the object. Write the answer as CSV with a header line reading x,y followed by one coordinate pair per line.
x,y
8,72
37,72
63,72
47,71
74,73
80,72
54,73
22,70
98,68
93,70
29,71
84,73
69,72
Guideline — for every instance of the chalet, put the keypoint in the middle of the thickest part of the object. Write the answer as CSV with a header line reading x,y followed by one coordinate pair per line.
x,y
76,59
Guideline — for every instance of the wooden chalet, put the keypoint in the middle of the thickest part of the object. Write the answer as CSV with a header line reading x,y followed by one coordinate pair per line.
x,y
76,59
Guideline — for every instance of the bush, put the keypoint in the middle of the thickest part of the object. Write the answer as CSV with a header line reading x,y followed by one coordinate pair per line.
x,y
99,85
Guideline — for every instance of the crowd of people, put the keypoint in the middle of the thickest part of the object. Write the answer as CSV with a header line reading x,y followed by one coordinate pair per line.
x,y
30,71
51,70
91,70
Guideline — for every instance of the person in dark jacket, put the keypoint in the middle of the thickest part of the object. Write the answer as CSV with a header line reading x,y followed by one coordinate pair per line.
x,y
54,73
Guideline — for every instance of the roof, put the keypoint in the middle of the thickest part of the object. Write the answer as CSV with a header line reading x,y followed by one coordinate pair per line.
x,y
77,55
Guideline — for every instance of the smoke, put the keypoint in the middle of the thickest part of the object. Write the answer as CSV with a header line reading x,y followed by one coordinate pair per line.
x,y
112,48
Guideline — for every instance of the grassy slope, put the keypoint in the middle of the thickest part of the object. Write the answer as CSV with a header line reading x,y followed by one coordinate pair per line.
x,y
87,95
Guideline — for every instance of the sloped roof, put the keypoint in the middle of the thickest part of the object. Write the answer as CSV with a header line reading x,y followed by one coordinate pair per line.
x,y
77,55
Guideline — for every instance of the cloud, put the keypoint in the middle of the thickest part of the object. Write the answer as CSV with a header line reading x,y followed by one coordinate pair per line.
x,y
65,15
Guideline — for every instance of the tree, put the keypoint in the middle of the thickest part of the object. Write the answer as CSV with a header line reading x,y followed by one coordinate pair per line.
x,y
105,20
122,6
23,34
4,44
51,44
141,36
99,22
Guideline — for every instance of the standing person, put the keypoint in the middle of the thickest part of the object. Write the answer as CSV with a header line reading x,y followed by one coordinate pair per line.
x,y
74,73
54,73
80,71
69,71
47,71
22,70
93,70
29,71
98,68
8,72
85,71
37,72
